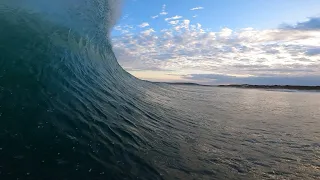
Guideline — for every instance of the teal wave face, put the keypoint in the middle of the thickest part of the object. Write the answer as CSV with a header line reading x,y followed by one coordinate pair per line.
x,y
67,107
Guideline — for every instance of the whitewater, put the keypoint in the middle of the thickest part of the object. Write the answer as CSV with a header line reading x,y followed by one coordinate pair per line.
x,y
68,110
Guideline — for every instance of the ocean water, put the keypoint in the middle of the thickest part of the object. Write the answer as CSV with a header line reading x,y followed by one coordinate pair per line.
x,y
69,111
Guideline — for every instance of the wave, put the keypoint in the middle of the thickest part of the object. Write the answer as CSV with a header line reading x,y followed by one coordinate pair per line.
x,y
68,110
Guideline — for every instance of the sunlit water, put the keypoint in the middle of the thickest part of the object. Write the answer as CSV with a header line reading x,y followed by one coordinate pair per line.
x,y
230,133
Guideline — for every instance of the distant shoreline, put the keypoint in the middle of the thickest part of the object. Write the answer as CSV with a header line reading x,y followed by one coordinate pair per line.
x,y
291,87
186,83
250,86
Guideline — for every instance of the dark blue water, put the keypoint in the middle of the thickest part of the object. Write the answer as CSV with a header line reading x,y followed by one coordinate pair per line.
x,y
69,111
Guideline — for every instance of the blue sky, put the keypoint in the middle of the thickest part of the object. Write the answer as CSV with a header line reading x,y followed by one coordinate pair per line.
x,y
184,40
227,13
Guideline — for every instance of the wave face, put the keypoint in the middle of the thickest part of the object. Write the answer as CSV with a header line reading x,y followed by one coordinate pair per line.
x,y
69,111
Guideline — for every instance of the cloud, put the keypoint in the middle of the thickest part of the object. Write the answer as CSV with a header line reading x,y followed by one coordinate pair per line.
x,y
164,7
126,16
189,50
310,24
184,25
225,32
148,32
173,18
163,12
154,17
174,22
124,29
145,24
196,8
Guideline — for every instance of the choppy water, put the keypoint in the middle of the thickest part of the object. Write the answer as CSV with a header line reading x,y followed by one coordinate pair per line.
x,y
69,111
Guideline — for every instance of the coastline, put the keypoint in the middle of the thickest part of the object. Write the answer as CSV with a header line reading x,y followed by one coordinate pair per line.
x,y
250,86
290,87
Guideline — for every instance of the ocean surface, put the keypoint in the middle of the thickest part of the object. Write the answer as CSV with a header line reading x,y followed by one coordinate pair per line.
x,y
68,110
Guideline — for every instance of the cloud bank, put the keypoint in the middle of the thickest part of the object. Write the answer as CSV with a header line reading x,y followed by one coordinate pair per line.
x,y
286,55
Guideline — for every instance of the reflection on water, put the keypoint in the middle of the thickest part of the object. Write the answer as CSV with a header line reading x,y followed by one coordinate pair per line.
x,y
244,133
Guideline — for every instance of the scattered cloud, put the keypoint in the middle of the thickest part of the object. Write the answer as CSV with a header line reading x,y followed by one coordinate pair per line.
x,y
192,53
145,24
173,18
163,12
154,17
196,8
148,32
164,7
124,29
126,16
118,28
174,22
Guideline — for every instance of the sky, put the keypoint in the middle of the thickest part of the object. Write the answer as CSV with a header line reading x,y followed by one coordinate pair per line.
x,y
220,42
